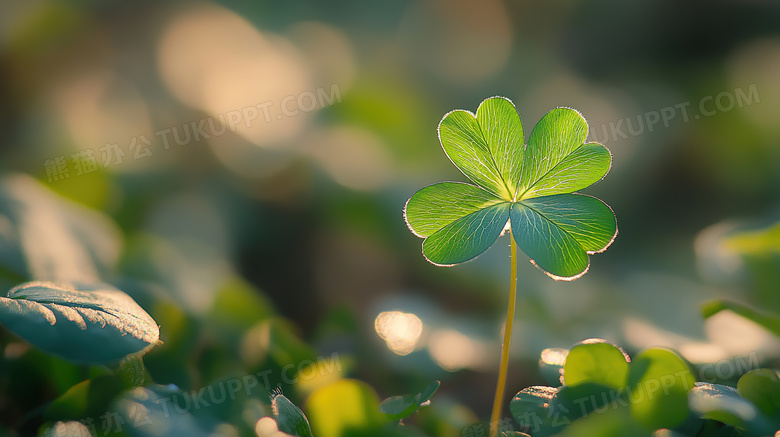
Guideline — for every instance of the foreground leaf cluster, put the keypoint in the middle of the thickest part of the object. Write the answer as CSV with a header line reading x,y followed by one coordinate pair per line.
x,y
597,389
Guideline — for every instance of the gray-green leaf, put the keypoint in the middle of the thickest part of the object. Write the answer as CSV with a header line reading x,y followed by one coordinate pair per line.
x,y
87,323
44,236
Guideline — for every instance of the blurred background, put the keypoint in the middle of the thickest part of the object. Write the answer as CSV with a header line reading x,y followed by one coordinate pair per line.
x,y
240,168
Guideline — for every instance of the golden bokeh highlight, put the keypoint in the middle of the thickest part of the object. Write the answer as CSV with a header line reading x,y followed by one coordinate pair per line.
x,y
401,331
214,60
453,350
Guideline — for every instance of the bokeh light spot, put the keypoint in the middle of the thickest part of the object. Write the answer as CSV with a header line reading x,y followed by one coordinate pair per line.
x,y
453,350
399,330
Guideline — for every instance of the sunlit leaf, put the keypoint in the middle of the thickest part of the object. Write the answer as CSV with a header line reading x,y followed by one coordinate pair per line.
x,y
503,132
558,232
659,382
762,388
44,236
587,164
719,402
344,405
557,135
596,362
768,321
756,241
466,237
435,206
609,423
89,323
487,147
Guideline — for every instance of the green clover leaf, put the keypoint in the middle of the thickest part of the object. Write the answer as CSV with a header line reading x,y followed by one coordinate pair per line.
x,y
528,187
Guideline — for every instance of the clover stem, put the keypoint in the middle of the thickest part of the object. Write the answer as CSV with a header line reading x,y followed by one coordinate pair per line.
x,y
510,317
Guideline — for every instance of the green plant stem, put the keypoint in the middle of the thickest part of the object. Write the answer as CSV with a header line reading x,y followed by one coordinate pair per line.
x,y
510,317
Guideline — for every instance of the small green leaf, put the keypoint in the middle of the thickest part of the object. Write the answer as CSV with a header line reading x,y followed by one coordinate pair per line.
x,y
435,206
768,321
401,407
596,361
289,418
534,408
546,411
84,323
762,388
467,237
659,382
559,232
428,392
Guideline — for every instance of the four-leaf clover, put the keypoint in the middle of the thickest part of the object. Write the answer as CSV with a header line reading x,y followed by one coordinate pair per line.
x,y
528,187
